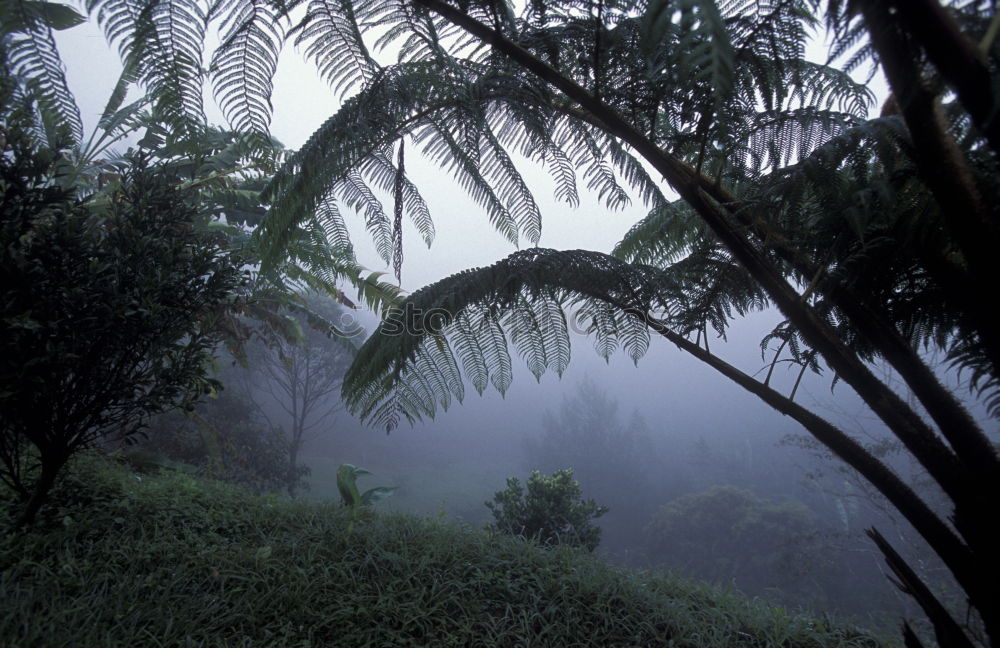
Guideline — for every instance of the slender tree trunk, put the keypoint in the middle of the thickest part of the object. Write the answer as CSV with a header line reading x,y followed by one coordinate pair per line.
x,y
292,478
52,463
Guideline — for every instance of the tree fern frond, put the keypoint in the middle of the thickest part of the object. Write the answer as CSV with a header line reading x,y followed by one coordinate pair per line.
x,y
528,289
636,175
496,353
635,337
398,101
584,149
162,41
329,218
30,51
465,338
706,49
353,190
243,66
440,145
379,296
526,336
380,166
602,324
406,28
512,190
333,40
662,237
562,172
555,331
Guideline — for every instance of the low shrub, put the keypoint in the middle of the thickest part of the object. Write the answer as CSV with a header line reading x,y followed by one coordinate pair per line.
x,y
552,511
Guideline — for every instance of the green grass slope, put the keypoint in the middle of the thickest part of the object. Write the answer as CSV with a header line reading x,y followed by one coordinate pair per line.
x,y
169,560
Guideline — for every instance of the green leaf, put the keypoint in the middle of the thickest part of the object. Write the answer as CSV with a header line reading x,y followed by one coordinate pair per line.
x,y
697,30
32,14
377,494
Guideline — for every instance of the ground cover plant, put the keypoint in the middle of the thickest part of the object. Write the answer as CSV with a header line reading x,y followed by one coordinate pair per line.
x,y
227,568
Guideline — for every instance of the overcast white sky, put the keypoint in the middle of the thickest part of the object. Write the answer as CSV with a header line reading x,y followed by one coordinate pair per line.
x,y
302,101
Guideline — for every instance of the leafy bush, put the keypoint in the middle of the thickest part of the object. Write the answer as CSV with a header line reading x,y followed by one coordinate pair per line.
x,y
551,512
728,535
107,314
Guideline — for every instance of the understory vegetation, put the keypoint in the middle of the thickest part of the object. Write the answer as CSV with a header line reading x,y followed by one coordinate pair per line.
x,y
227,568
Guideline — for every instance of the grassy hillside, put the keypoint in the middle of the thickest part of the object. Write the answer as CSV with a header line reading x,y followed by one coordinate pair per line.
x,y
140,560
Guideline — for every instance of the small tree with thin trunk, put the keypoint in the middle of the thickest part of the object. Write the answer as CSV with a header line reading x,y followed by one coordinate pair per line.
x,y
107,308
303,377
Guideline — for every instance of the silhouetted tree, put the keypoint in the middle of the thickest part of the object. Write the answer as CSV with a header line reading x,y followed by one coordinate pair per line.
x,y
303,376
108,306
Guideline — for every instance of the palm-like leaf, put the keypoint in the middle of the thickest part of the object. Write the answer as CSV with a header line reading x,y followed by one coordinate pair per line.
x,y
244,65
26,28
331,36
161,41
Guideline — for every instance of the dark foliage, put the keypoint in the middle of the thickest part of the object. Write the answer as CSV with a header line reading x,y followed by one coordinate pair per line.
x,y
108,305
222,440
728,535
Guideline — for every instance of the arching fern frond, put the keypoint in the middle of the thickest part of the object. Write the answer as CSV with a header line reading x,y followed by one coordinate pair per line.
x,y
331,221
406,28
463,161
661,238
381,168
243,66
329,31
700,32
513,191
468,321
162,42
30,51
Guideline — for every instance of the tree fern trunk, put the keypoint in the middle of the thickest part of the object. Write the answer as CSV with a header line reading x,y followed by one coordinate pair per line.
x,y
974,565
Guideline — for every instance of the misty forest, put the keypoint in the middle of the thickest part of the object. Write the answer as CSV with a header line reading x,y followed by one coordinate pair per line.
x,y
289,292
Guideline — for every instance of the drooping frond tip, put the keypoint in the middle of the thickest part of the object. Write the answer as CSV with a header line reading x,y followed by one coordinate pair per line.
x,y
462,327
